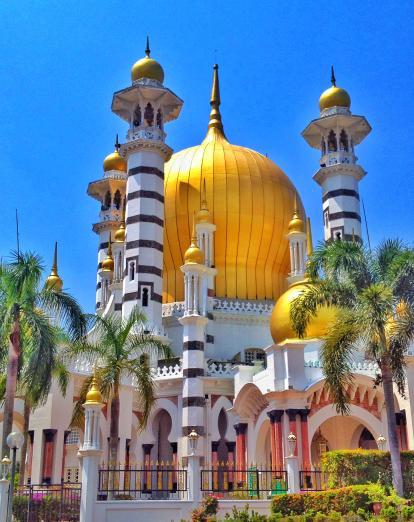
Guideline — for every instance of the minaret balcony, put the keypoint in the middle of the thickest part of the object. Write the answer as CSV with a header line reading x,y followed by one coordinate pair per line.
x,y
338,157
146,133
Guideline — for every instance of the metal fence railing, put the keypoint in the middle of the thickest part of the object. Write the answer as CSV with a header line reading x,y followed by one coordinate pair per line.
x,y
159,482
251,483
47,503
313,480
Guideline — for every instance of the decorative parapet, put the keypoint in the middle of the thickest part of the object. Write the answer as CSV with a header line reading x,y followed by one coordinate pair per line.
x,y
173,309
366,366
168,372
243,306
219,369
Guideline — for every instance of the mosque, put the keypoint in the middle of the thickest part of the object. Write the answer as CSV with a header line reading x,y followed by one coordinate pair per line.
x,y
212,242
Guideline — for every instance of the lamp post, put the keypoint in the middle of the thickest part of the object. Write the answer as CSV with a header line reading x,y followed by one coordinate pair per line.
x,y
193,468
193,437
291,444
381,442
5,467
14,442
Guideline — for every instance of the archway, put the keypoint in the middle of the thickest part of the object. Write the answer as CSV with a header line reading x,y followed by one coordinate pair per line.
x,y
162,450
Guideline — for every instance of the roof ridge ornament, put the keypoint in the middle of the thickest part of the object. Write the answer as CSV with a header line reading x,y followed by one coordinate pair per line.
x,y
333,79
147,48
215,125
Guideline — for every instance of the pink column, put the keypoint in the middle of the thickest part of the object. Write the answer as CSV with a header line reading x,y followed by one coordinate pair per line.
x,y
276,433
48,454
304,438
241,465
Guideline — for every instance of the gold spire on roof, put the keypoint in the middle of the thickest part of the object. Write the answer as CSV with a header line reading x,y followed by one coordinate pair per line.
x,y
108,262
147,67
333,79
215,125
94,395
120,233
296,223
309,243
147,48
334,96
193,255
203,215
54,282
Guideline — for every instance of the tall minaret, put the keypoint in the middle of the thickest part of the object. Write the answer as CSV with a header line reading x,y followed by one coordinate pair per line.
x,y
297,238
335,133
110,192
146,105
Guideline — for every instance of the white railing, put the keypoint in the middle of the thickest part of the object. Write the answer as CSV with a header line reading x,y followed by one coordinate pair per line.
x,y
168,372
173,309
362,365
245,307
219,369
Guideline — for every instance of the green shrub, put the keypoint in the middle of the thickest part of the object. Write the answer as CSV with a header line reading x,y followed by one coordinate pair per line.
x,y
349,467
243,515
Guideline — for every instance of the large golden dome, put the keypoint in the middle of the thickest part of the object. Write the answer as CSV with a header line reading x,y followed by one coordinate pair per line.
x,y
251,202
280,325
334,96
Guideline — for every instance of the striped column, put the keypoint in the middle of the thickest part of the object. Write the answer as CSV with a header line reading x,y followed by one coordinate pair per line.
x,y
144,229
276,436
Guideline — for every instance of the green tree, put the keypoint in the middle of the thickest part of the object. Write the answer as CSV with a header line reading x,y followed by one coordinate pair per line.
x,y
374,296
119,349
29,314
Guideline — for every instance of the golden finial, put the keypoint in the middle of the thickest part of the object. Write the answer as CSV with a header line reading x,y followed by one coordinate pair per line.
x,y
108,263
333,79
94,395
54,282
193,254
120,233
296,223
203,215
117,144
215,123
309,243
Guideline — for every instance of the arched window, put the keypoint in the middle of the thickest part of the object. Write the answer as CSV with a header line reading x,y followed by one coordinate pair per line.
x,y
343,141
159,119
145,297
131,271
107,201
332,145
149,114
137,116
117,200
323,146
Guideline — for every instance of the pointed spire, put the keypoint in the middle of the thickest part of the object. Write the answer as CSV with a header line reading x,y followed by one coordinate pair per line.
x,y
215,124
147,48
117,144
55,265
109,253
309,243
204,196
193,233
54,282
333,79
296,223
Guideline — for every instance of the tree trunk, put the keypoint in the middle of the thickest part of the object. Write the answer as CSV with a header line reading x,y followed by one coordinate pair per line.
x,y
387,385
114,429
23,452
11,381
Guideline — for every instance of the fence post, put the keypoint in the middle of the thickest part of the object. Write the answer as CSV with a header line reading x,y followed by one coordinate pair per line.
x,y
4,499
292,469
90,453
194,478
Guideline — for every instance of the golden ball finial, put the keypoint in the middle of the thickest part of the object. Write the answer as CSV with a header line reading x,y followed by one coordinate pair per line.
x,y
193,255
115,161
147,67
108,263
296,223
54,282
120,233
94,395
334,96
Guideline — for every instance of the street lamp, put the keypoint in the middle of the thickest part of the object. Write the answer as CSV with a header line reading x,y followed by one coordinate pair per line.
x,y
14,442
291,444
193,437
381,442
5,467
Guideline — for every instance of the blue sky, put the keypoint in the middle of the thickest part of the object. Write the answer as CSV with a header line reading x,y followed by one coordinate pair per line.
x,y
61,62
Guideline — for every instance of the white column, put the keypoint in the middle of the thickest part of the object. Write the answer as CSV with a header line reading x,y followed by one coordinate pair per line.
x,y
292,469
4,499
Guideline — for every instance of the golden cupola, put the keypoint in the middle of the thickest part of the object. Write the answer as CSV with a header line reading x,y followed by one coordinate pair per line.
x,y
296,223
193,254
121,230
108,263
147,67
94,395
251,203
334,96
115,161
54,282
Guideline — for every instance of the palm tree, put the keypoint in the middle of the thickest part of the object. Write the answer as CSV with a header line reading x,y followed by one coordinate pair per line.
x,y
119,349
29,311
374,296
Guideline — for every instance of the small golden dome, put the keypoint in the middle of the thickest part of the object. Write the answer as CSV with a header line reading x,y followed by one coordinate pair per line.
x,y
54,282
193,255
114,161
120,233
108,263
147,67
280,325
296,223
94,395
334,96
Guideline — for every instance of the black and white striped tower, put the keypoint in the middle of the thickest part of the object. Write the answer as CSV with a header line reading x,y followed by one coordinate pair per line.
x,y
335,133
194,327
146,105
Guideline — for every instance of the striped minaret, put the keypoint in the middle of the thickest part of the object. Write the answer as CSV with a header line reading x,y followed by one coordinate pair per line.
x,y
336,133
194,326
146,105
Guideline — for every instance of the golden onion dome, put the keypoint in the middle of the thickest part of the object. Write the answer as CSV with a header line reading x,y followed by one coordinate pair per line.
x,y
251,203
120,233
94,395
296,223
280,324
193,254
108,263
53,281
334,96
147,67
114,161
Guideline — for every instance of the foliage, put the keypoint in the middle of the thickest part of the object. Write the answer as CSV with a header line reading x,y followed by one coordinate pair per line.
x,y
352,499
243,515
349,467
206,511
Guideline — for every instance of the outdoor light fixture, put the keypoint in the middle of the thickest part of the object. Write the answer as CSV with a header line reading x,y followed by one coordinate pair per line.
x,y
5,468
193,437
381,442
14,442
291,444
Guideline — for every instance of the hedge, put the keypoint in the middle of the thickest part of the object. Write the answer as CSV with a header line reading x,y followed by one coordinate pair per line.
x,y
343,500
349,467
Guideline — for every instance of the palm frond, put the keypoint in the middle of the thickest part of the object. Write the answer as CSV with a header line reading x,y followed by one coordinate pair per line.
x,y
64,309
